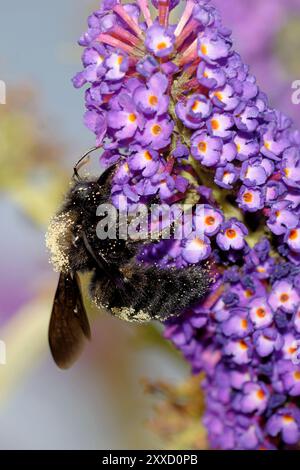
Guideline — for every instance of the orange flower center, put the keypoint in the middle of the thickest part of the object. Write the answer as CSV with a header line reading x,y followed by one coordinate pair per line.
x,y
260,312
293,234
156,129
148,155
219,95
243,345
120,60
132,117
153,100
260,394
202,147
161,45
209,220
215,124
244,324
248,197
260,269
199,242
297,375
230,233
288,419
195,105
284,298
204,49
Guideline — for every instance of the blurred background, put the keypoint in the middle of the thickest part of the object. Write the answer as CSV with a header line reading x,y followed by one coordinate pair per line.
x,y
130,389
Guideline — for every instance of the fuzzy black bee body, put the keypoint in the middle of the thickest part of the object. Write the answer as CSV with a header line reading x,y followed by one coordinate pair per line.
x,y
128,289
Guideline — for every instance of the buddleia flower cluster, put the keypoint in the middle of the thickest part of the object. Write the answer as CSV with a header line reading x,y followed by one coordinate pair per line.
x,y
176,106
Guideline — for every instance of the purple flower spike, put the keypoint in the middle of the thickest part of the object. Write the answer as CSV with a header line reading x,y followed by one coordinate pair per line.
x,y
173,3
239,350
246,120
205,148
290,347
152,99
250,199
177,111
208,220
194,111
273,190
147,66
157,133
254,399
122,174
253,173
296,321
146,161
238,325
290,167
117,65
181,151
292,196
261,314
220,125
284,296
212,47
226,176
250,438
126,121
271,146
228,153
267,341
292,238
160,41
282,218
93,60
232,235
196,249
291,379
238,378
285,422
246,147
225,98
97,123
211,76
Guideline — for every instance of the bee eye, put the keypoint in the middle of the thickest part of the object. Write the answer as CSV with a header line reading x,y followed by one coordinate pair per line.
x,y
76,239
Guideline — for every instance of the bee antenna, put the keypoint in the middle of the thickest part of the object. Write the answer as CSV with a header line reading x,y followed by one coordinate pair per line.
x,y
82,161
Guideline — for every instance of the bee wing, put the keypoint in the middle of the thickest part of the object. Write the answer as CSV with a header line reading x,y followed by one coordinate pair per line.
x,y
69,325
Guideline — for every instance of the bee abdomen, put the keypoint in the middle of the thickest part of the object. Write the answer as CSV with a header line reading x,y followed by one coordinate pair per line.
x,y
170,291
151,293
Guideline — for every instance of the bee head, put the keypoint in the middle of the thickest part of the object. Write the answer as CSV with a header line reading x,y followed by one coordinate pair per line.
x,y
84,195
88,194
64,236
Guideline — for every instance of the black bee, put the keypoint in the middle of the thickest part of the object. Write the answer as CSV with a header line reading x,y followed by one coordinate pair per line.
x,y
127,288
